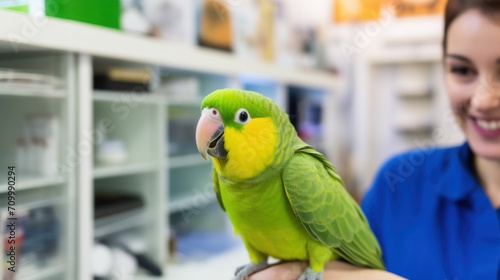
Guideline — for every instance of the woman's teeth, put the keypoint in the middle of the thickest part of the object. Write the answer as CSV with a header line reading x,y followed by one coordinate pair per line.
x,y
489,125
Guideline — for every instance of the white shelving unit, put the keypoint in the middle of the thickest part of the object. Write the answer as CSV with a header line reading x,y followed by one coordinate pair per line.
x,y
187,160
188,202
139,121
119,222
120,170
35,190
194,102
136,120
32,92
184,57
49,273
27,183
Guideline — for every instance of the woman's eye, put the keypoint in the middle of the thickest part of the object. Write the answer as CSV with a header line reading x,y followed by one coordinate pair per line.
x,y
461,70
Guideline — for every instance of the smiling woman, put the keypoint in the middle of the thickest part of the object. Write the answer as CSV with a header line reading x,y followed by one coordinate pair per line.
x,y
473,82
473,79
442,221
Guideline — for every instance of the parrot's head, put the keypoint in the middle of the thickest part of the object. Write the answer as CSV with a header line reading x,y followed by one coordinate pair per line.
x,y
238,130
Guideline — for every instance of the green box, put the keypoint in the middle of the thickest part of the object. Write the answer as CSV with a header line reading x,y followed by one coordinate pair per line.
x,y
100,12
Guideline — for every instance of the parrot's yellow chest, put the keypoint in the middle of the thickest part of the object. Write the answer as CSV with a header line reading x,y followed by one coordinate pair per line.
x,y
265,220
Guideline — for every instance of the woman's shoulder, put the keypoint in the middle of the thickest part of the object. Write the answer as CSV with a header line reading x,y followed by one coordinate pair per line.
x,y
421,159
413,175
417,166
405,188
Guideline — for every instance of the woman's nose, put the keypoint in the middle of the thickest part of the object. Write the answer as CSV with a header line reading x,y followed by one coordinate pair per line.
x,y
486,96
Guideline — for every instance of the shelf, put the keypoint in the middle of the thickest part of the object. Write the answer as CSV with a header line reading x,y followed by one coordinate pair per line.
x,y
128,169
31,92
175,101
112,224
185,161
50,272
220,266
189,202
181,56
127,97
412,55
27,182
82,57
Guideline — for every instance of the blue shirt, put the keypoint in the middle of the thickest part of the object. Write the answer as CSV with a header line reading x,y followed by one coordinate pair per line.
x,y
432,218
498,213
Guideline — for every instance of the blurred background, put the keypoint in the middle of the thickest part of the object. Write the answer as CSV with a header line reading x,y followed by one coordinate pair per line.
x,y
99,102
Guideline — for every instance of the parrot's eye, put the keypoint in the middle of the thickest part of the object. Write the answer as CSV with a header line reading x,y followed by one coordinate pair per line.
x,y
242,116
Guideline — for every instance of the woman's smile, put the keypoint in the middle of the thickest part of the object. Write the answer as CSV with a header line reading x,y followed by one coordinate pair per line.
x,y
486,127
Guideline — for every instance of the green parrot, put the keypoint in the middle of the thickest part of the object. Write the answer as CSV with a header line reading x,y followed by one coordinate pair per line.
x,y
283,198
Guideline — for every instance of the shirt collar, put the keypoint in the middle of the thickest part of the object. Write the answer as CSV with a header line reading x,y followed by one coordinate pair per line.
x,y
458,178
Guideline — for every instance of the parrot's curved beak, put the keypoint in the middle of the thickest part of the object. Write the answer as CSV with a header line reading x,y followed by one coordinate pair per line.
x,y
210,135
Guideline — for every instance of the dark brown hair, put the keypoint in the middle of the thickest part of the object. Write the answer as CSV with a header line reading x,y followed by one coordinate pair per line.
x,y
454,8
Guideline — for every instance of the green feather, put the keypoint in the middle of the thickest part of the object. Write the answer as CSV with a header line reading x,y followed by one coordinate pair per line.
x,y
309,176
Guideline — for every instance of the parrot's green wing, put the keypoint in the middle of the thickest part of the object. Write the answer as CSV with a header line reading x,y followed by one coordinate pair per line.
x,y
215,178
327,211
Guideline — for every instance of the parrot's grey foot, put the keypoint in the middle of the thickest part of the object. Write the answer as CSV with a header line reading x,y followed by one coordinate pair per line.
x,y
309,274
243,272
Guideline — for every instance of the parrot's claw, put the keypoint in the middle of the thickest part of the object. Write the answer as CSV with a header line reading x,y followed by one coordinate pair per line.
x,y
243,272
310,274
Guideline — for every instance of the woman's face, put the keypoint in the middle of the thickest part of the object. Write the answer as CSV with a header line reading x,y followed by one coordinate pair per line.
x,y
472,64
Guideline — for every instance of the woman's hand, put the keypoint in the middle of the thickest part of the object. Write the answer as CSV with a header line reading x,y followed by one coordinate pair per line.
x,y
336,270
